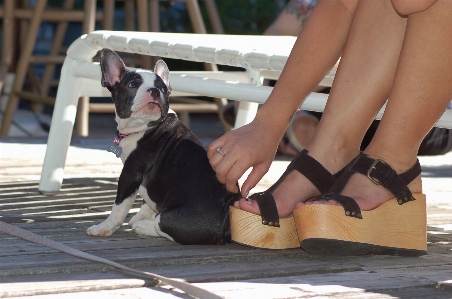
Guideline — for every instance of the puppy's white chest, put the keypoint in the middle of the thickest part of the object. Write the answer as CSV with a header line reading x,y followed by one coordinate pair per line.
x,y
129,143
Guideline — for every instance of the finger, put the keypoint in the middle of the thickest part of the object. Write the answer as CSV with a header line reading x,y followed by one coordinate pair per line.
x,y
223,167
253,178
215,160
232,187
212,149
235,173
231,180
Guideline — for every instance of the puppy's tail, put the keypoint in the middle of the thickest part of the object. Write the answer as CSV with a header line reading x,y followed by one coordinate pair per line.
x,y
229,201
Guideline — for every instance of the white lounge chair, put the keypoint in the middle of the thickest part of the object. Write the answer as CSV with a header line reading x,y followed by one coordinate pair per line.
x,y
261,56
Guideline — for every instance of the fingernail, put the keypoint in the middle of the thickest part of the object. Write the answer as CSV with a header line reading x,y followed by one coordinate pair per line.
x,y
236,204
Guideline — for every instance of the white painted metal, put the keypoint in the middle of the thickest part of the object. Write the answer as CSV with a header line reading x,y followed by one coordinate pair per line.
x,y
260,55
248,109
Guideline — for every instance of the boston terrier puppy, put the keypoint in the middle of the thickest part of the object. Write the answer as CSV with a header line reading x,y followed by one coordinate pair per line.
x,y
163,161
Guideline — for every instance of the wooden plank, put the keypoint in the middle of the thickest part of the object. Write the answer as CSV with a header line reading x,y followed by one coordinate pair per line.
x,y
65,283
399,283
48,261
110,292
421,283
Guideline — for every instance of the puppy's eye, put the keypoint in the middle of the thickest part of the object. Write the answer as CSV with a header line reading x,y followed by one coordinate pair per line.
x,y
133,84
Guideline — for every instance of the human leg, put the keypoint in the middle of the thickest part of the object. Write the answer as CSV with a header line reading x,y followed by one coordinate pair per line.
x,y
362,84
420,94
290,20
391,212
316,50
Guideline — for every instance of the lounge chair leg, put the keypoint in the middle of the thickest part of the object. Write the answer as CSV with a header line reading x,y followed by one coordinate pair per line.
x,y
61,129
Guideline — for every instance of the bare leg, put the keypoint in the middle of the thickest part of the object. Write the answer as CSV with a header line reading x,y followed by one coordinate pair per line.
x,y
362,84
317,49
420,94
290,20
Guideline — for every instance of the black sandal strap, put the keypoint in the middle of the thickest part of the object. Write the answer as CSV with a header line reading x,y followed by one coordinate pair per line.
x,y
307,166
412,173
267,206
314,172
350,206
380,173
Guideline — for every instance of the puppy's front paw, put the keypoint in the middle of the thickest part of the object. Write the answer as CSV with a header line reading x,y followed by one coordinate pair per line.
x,y
145,227
102,230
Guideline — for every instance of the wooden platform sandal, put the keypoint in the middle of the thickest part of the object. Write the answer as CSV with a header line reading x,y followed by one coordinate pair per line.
x,y
396,227
267,230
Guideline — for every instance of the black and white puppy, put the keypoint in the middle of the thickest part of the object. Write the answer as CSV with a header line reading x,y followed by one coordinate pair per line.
x,y
163,161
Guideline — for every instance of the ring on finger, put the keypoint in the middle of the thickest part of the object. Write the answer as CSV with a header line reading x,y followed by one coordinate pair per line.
x,y
220,151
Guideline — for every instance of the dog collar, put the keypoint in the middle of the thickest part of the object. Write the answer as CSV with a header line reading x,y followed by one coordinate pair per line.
x,y
114,146
120,136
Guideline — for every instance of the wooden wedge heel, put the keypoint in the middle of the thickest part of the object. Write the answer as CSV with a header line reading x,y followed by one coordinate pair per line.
x,y
247,229
388,229
267,230
397,227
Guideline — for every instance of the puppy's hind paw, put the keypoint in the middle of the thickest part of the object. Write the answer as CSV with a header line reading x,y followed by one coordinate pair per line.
x,y
135,218
101,230
145,212
145,227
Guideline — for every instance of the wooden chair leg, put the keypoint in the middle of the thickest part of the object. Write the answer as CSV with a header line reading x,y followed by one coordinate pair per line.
x,y
143,21
214,17
7,45
129,9
89,20
199,27
82,123
82,120
22,65
154,13
109,11
197,22
58,39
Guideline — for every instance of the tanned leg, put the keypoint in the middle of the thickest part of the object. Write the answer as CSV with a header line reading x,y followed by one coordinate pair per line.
x,y
290,20
421,92
361,86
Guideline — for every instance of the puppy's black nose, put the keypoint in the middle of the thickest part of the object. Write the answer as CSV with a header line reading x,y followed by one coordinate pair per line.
x,y
155,93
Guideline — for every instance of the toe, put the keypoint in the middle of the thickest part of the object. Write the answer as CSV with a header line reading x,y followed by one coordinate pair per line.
x,y
249,205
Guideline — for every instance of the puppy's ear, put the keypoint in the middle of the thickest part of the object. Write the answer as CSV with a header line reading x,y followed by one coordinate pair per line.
x,y
162,70
112,68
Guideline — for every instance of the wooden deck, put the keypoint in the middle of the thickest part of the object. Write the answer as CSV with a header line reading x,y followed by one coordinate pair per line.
x,y
231,271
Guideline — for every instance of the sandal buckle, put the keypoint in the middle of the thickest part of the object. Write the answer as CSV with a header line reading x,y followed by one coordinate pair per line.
x,y
372,168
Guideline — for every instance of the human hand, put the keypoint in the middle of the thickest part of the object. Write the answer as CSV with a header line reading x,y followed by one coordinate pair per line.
x,y
249,146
